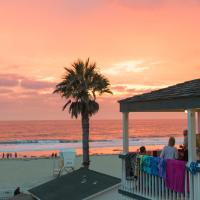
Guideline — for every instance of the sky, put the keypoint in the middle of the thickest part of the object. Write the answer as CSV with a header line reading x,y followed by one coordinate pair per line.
x,y
139,45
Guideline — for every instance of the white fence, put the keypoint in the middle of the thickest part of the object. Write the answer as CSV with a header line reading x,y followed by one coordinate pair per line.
x,y
153,187
6,194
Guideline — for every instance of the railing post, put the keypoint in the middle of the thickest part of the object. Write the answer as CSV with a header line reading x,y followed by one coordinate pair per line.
x,y
125,145
191,136
198,119
191,147
125,132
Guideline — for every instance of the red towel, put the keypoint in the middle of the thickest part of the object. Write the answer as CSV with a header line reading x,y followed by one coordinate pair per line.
x,y
175,175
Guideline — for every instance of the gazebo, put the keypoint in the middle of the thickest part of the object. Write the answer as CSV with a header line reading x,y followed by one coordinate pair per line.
x,y
183,97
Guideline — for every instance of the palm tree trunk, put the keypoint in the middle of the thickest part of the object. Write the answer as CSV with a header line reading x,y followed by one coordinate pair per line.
x,y
85,140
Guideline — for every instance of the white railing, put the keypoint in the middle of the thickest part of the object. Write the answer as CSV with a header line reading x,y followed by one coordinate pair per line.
x,y
6,194
153,187
196,185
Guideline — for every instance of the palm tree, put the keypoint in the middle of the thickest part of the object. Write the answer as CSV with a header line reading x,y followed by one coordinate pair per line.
x,y
80,86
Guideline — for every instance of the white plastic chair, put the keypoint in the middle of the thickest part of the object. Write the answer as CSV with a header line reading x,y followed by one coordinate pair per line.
x,y
66,162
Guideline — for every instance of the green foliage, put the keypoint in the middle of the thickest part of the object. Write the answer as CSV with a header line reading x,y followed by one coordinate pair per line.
x,y
80,86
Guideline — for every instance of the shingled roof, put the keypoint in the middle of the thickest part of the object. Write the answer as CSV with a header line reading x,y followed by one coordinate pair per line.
x,y
177,97
78,185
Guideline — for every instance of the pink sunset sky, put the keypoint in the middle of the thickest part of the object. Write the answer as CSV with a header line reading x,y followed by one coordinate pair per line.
x,y
140,45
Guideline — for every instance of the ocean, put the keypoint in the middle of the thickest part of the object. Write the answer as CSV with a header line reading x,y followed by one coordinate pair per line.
x,y
39,138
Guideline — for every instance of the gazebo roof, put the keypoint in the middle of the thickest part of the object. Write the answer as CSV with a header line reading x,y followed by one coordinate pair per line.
x,y
174,98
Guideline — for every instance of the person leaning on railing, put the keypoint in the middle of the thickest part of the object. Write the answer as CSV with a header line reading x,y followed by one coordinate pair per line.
x,y
169,151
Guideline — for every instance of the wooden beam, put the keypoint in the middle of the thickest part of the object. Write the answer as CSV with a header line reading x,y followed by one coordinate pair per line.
x,y
161,105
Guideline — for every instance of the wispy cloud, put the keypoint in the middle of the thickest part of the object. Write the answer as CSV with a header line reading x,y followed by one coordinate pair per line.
x,y
129,66
35,84
9,80
14,80
140,3
133,89
5,91
154,4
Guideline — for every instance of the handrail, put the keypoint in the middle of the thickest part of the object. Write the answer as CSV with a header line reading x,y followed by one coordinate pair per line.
x,y
148,186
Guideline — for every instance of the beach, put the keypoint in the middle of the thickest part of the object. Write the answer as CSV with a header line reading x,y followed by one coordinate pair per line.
x,y
28,173
35,142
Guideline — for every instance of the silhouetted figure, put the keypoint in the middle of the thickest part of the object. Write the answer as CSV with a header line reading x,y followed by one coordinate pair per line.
x,y
52,155
155,153
15,154
185,145
143,150
7,155
17,191
55,155
3,156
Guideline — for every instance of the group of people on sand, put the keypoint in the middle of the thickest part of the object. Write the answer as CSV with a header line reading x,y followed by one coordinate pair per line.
x,y
170,151
54,155
9,155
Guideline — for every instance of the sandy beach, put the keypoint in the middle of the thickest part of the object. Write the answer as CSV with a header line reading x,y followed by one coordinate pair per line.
x,y
27,173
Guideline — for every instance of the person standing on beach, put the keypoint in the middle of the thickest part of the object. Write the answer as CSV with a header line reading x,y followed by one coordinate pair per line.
x,y
15,154
169,151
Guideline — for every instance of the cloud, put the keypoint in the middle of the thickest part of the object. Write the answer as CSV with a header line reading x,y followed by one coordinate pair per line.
x,y
127,90
131,89
119,88
5,91
139,91
9,80
86,4
141,3
34,84
13,80
154,3
130,66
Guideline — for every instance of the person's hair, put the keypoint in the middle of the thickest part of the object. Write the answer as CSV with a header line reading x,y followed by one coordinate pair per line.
x,y
171,141
185,132
142,149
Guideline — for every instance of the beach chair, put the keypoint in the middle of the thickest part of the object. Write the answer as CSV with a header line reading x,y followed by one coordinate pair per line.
x,y
66,162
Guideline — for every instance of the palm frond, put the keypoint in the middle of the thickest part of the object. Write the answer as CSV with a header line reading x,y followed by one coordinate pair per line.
x,y
93,107
87,62
66,105
80,85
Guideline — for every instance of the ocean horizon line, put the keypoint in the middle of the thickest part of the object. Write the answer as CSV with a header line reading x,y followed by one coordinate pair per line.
x,y
148,119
